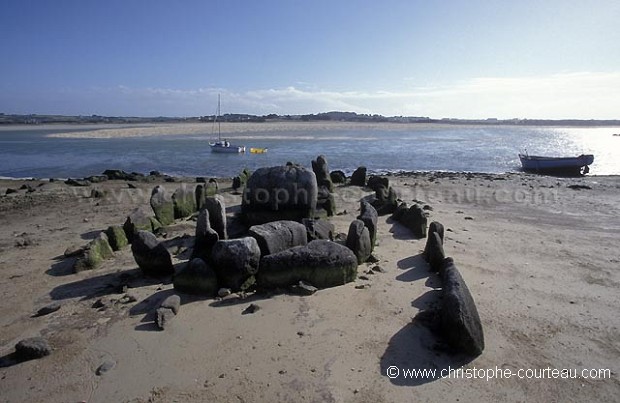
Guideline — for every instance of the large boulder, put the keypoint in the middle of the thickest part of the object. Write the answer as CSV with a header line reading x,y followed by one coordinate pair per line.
x,y
197,278
279,193
184,201
235,261
206,237
459,320
162,205
320,263
386,200
414,218
375,182
358,178
321,170
369,216
318,229
217,214
276,236
358,240
140,220
95,253
150,255
338,177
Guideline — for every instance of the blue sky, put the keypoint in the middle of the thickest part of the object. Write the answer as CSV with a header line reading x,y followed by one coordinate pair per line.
x,y
466,59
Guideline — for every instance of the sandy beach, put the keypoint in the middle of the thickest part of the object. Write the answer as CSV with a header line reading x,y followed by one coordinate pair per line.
x,y
539,255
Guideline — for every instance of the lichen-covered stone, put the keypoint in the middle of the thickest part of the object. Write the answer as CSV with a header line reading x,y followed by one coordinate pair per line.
x,y
235,261
206,237
217,215
138,220
196,278
116,237
277,236
95,253
320,263
162,205
369,216
184,201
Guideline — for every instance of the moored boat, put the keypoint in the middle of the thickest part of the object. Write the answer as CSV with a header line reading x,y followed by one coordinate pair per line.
x,y
223,146
559,165
256,150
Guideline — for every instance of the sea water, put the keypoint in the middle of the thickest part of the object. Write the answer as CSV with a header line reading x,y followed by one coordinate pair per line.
x,y
31,152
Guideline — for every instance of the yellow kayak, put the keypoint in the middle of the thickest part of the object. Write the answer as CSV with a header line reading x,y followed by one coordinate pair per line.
x,y
258,150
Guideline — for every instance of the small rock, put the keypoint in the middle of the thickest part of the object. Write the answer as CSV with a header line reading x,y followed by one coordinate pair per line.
x,y
46,310
303,289
105,367
372,259
128,299
173,303
468,218
362,286
250,309
74,250
31,348
223,292
164,316
378,269
363,278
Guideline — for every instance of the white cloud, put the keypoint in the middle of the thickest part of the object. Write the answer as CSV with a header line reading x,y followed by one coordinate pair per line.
x,y
582,95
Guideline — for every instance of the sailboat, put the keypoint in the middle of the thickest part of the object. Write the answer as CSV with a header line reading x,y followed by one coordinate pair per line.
x,y
224,146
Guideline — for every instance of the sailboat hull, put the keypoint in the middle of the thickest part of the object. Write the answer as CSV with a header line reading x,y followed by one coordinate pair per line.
x,y
219,147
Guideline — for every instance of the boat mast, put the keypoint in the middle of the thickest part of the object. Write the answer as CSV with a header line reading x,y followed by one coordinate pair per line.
x,y
219,127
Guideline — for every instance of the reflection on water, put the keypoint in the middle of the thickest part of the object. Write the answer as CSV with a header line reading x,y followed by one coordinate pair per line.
x,y
27,153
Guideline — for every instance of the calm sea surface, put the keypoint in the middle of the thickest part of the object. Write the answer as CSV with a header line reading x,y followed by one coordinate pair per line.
x,y
493,149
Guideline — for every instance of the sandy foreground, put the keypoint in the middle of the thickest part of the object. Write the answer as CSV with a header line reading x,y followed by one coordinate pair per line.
x,y
540,259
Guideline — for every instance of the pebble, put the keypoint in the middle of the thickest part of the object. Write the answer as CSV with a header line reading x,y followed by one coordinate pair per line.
x,y
251,309
46,310
224,292
105,367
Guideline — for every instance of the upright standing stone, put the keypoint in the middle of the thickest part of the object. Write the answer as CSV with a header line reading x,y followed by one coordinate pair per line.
x,y
358,240
197,278
162,206
359,177
368,215
321,170
150,255
200,197
116,237
206,237
96,252
217,215
184,202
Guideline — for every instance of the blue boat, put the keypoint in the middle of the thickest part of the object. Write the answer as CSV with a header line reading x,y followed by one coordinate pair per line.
x,y
557,165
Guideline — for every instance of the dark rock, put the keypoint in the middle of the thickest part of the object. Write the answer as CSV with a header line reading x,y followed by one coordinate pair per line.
x,y
173,302
10,191
459,320
155,173
217,214
163,317
326,201
318,229
369,216
206,237
359,177
139,220
338,177
97,194
250,309
321,171
277,236
304,289
241,180
105,367
77,182
279,193
116,237
320,263
579,187
201,195
131,186
151,256
96,178
196,278
386,200
95,253
430,243
46,310
120,175
413,218
162,205
32,348
235,261
375,182
434,254
358,240
201,179
184,201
